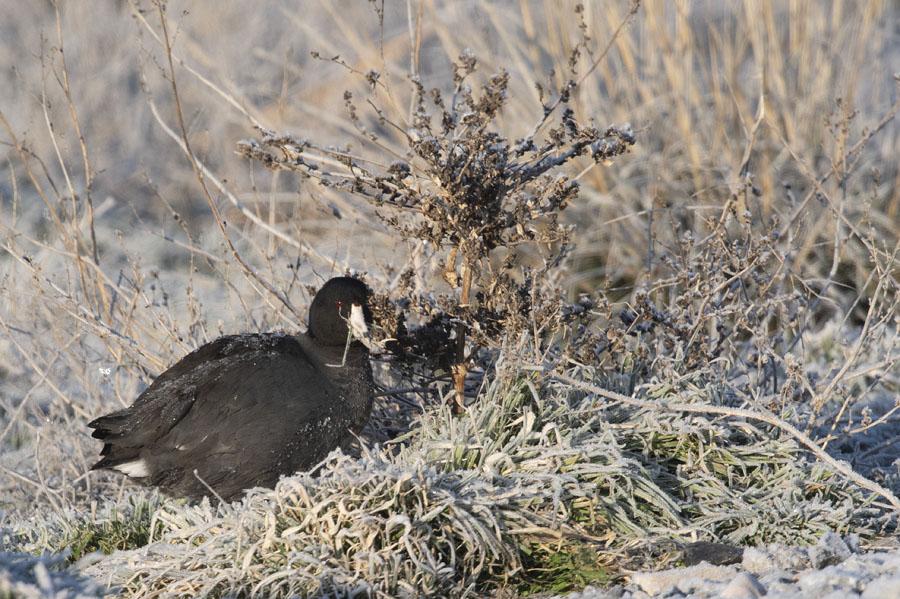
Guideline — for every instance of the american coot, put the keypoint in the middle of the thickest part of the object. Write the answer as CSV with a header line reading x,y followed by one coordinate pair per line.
x,y
245,409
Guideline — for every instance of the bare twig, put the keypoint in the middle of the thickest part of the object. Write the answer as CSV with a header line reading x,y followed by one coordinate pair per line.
x,y
200,173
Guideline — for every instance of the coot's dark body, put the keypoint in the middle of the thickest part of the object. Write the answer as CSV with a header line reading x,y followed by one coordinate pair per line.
x,y
246,409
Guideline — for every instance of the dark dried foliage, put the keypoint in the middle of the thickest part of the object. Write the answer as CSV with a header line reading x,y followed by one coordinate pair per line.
x,y
466,189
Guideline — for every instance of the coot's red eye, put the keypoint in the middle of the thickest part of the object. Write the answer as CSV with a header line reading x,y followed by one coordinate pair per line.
x,y
338,304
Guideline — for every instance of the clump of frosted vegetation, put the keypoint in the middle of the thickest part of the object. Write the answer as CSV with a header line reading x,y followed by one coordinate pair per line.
x,y
479,501
739,294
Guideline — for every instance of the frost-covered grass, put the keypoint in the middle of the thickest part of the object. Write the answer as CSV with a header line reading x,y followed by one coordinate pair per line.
x,y
516,493
743,256
24,576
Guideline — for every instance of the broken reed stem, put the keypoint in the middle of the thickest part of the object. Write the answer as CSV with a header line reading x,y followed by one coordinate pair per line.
x,y
461,368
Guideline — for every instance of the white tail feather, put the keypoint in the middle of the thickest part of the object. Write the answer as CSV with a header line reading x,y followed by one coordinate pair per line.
x,y
134,469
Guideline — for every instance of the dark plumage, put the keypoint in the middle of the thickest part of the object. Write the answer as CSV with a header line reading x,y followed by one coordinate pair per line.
x,y
246,409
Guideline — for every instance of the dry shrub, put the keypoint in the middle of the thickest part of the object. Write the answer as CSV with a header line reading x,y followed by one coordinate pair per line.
x,y
471,197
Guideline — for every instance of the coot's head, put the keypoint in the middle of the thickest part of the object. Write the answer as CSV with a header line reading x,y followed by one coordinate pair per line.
x,y
340,304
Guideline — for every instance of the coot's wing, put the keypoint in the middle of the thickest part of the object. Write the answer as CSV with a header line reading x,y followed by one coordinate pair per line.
x,y
239,410
165,401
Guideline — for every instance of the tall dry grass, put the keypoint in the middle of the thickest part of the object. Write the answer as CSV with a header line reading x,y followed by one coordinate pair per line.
x,y
764,121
